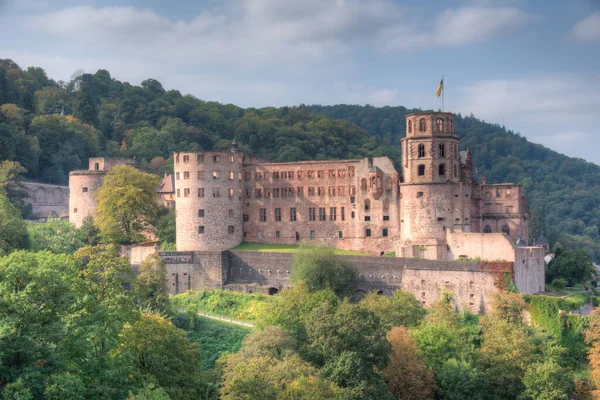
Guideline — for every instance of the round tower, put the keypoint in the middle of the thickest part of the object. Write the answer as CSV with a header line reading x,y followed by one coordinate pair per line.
x,y
83,185
208,190
433,198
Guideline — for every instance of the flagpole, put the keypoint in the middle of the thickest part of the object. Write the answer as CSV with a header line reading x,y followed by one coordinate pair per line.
x,y
443,87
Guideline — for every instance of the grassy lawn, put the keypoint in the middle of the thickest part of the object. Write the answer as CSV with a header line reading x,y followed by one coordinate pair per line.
x,y
287,248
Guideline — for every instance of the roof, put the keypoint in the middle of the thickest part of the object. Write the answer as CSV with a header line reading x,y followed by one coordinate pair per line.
x,y
375,170
167,185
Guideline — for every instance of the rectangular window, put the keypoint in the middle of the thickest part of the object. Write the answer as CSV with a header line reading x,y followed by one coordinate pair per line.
x,y
331,190
200,158
200,175
258,235
177,175
239,176
186,192
201,192
352,190
290,174
352,214
201,213
186,159
332,173
368,232
341,190
275,175
268,193
340,235
230,175
311,191
498,193
442,150
343,214
322,214
352,199
300,191
310,174
384,232
300,175
367,218
246,218
386,217
351,172
178,193
240,159
293,214
216,174
216,192
277,235
259,176
84,190
258,194
248,193
341,173
276,192
320,173
332,213
421,170
230,229
230,193
216,158
230,213
263,215
311,214
201,229
419,194
321,190
186,175
278,214
312,234
231,158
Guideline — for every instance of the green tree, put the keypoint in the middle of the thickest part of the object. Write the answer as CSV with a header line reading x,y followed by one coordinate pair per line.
x,y
165,226
126,205
88,232
459,380
322,269
573,265
151,285
85,107
11,185
546,380
401,309
54,235
13,232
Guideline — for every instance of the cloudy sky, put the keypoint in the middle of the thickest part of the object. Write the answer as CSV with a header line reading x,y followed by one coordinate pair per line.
x,y
533,66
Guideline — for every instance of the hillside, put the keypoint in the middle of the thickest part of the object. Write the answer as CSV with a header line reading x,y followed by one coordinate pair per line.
x,y
103,116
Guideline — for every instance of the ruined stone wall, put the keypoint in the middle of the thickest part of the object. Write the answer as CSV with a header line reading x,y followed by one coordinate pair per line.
x,y
505,210
105,163
360,207
208,189
488,246
195,270
83,186
47,200
530,275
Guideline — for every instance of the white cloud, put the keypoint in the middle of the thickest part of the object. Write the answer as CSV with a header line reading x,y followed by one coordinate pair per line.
x,y
459,27
588,29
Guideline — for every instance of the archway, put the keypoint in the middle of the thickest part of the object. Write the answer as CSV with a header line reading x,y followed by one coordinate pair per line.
x,y
273,291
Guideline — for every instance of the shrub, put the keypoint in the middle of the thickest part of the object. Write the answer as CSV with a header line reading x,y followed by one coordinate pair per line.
x,y
559,283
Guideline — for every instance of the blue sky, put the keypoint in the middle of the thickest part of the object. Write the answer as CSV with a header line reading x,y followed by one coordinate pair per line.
x,y
533,66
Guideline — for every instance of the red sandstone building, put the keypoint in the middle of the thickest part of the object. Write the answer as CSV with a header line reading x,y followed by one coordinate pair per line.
x,y
224,198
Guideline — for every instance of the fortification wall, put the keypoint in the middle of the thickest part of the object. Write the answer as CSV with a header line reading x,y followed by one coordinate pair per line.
x,y
195,270
530,275
488,246
47,200
83,186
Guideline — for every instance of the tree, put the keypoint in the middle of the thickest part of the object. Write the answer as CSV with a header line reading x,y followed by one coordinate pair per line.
x,y
85,107
401,309
126,205
406,375
165,226
573,265
151,285
54,235
13,232
458,380
592,338
546,381
11,185
321,269
88,232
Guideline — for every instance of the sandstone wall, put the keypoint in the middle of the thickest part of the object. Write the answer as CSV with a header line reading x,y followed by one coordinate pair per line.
x,y
47,200
195,270
489,246
83,186
530,275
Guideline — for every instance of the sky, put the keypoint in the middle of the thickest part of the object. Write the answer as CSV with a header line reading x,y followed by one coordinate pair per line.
x,y
530,65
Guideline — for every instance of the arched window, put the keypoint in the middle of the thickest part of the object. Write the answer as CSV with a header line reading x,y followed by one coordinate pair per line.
x,y
422,125
388,184
455,173
442,169
442,149
450,125
505,230
410,126
487,229
439,124
421,170
363,184
367,205
421,151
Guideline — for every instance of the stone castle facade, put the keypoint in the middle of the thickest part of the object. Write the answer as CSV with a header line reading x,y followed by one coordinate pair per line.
x,y
225,198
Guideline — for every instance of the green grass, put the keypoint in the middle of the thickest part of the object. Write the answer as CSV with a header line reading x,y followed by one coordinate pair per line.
x,y
287,248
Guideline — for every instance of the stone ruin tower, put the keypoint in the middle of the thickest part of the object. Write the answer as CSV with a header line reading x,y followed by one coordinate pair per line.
x,y
208,190
83,185
435,197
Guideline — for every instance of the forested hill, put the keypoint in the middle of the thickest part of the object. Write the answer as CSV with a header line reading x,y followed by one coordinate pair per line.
x,y
103,116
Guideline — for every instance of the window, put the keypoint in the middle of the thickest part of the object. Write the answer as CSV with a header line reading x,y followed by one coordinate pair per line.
x,y
363,184
352,199
331,190
384,232
75,210
311,214
333,213
487,229
455,173
343,214
498,193
259,176
267,193
216,174
439,124
442,150
352,214
320,173
293,214
201,192
440,219
508,193
278,214
442,169
217,158
275,175
300,175
178,194
186,192
186,159
263,215
300,191
177,158
231,158
230,229
506,230
258,194
200,158
216,192
277,234
84,190
386,217
258,235
248,193
351,172
367,218
409,126
201,229
422,125
201,213
419,194
322,214
297,236
321,190
230,175
312,234
421,170
450,125
177,175
311,191
310,174
239,176
341,190
200,175
421,150
246,218
276,192
96,166
341,173
386,205
186,175
340,235
230,193
368,232
332,173
230,213
367,205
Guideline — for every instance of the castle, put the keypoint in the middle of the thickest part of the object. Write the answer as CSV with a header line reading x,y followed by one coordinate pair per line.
x,y
435,208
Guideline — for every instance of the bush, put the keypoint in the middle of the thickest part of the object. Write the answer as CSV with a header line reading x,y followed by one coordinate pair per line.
x,y
559,283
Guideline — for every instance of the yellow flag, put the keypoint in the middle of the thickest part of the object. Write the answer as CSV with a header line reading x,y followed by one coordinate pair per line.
x,y
438,92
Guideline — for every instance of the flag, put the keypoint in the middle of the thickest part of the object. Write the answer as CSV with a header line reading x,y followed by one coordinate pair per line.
x,y
438,92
